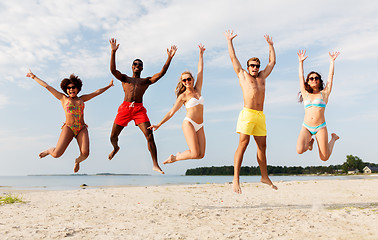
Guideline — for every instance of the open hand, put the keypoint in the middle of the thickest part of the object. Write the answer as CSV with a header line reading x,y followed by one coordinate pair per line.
x,y
301,55
113,44
333,55
230,34
171,52
268,39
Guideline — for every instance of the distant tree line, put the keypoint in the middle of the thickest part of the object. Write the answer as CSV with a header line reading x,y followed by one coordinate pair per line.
x,y
352,163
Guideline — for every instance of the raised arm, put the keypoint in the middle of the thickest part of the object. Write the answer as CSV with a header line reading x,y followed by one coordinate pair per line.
x,y
301,58
272,58
235,62
199,82
89,96
114,46
332,58
54,92
171,52
174,109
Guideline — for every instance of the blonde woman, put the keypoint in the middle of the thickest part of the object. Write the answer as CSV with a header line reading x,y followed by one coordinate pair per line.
x,y
189,94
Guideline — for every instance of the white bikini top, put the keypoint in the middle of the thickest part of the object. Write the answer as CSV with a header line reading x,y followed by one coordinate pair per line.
x,y
194,102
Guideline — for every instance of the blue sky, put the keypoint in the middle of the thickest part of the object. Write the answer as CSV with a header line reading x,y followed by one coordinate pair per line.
x,y
57,38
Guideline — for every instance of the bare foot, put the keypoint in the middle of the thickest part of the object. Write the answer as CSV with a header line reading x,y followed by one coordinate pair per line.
x,y
43,154
311,144
236,187
267,181
76,167
170,159
111,155
335,136
157,169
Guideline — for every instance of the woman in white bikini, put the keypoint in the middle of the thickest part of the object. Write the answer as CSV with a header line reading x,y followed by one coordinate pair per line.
x,y
315,99
189,94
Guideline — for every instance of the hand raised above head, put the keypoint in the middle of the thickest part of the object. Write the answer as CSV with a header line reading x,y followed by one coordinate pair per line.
x,y
113,44
301,55
202,48
268,39
30,74
230,34
333,55
172,51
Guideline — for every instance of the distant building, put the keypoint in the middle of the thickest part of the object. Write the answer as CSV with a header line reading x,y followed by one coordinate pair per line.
x,y
355,171
370,169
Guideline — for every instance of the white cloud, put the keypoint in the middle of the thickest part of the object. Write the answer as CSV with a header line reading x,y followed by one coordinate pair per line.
x,y
3,101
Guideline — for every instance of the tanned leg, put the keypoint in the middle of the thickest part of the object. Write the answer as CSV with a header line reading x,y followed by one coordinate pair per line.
x,y
196,143
305,141
65,138
116,130
83,142
325,147
261,159
238,159
151,145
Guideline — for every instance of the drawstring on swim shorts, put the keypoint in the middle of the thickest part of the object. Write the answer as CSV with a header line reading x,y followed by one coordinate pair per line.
x,y
132,104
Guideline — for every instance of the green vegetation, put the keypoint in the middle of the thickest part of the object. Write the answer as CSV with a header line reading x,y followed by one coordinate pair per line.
x,y
352,163
9,198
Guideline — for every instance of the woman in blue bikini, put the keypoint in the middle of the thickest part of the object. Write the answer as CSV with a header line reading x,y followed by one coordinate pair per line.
x,y
189,94
315,98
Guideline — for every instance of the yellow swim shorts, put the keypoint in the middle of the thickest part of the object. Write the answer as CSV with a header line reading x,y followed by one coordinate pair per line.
x,y
251,122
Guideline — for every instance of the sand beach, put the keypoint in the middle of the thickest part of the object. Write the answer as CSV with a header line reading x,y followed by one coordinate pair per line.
x,y
325,209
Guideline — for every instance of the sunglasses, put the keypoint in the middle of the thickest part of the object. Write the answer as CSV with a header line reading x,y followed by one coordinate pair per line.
x,y
254,65
186,79
72,87
138,64
313,78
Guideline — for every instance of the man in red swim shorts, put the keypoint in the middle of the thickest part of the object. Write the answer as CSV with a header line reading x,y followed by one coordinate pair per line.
x,y
132,107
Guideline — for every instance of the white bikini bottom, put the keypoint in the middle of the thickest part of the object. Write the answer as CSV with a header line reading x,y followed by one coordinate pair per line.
x,y
195,125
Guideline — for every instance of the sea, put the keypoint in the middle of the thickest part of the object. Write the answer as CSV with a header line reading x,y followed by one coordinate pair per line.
x,y
71,182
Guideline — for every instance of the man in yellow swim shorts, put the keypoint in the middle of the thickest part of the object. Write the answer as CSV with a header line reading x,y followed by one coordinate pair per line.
x,y
251,119
251,122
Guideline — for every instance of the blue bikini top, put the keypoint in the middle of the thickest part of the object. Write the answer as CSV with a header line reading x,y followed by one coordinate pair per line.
x,y
318,102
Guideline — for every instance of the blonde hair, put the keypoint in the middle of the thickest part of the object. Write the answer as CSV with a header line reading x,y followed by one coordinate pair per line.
x,y
180,88
255,59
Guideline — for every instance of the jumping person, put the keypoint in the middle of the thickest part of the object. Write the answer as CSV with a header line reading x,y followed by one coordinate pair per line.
x,y
315,98
73,106
132,107
189,94
251,119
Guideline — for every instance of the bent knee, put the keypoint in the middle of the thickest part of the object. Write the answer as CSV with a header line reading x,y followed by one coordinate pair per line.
x,y
56,154
113,138
85,154
300,150
324,158
201,155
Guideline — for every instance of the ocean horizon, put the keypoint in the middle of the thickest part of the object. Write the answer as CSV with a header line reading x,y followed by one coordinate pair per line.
x,y
77,181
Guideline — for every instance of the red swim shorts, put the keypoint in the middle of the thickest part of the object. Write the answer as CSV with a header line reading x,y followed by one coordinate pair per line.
x,y
131,111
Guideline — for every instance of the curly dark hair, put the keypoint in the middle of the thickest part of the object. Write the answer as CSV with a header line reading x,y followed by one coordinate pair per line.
x,y
73,79
307,86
